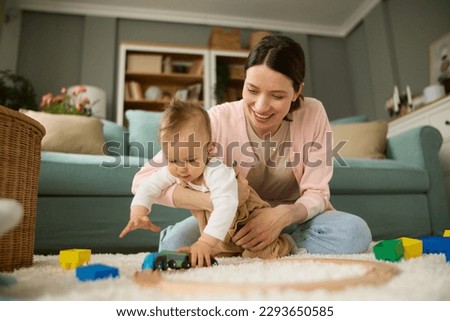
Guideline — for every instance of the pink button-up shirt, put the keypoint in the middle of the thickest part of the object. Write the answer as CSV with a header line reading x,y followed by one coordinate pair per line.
x,y
311,151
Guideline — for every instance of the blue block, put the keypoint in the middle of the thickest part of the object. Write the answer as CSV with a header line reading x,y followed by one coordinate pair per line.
x,y
437,245
96,271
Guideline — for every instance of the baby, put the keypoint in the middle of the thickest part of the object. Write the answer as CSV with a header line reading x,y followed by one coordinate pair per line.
x,y
185,135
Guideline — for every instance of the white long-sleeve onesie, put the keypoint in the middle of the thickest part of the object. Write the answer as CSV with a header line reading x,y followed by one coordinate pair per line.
x,y
220,181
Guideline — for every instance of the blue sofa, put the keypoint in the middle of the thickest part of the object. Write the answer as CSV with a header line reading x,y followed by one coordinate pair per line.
x,y
83,200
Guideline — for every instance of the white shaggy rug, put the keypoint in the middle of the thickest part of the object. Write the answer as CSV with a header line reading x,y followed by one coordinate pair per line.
x,y
424,278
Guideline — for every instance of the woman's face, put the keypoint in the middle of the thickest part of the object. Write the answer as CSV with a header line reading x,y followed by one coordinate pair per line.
x,y
267,96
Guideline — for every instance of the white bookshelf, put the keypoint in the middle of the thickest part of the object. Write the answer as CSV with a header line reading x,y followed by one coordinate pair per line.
x,y
168,81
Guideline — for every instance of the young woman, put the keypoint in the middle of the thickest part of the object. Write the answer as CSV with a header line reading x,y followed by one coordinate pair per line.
x,y
279,141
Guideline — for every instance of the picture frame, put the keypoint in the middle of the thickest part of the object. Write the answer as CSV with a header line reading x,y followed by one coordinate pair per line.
x,y
194,92
440,58
182,94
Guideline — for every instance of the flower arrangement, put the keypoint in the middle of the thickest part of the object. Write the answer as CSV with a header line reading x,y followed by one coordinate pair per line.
x,y
73,103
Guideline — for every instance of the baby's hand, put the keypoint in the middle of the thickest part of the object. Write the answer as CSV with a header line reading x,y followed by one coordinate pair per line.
x,y
201,254
139,220
202,250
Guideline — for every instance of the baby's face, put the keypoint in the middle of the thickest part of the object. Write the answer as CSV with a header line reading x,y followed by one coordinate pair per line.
x,y
187,154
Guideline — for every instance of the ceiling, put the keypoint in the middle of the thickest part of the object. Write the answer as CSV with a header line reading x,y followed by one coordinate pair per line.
x,y
318,17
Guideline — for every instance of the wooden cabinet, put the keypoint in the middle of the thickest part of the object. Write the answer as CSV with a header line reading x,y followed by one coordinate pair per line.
x,y
436,114
149,75
227,75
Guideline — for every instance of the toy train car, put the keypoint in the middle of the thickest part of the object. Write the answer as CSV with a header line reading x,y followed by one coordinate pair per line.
x,y
168,259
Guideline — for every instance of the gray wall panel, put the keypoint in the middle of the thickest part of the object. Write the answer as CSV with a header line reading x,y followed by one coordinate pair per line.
x,y
330,75
360,72
50,50
415,24
99,60
382,68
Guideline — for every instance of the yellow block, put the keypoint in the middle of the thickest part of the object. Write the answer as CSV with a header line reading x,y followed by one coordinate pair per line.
x,y
73,258
447,233
413,247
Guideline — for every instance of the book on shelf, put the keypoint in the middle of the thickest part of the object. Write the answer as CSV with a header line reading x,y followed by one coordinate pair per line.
x,y
196,68
135,90
167,65
127,91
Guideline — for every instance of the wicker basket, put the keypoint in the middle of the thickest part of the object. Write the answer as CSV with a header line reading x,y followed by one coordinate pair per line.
x,y
256,36
20,158
225,39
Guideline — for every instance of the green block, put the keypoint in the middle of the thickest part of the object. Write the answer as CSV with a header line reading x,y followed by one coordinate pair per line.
x,y
389,250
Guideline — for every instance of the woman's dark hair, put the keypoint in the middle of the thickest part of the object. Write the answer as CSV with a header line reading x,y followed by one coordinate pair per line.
x,y
283,55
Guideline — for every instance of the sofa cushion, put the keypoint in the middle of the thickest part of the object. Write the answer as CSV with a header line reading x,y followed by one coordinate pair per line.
x,y
350,119
362,140
369,176
70,133
143,127
116,138
74,174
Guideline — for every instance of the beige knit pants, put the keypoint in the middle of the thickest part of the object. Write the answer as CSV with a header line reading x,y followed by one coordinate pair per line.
x,y
280,247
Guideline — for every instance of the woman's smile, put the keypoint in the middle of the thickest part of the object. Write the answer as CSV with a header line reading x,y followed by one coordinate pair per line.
x,y
261,116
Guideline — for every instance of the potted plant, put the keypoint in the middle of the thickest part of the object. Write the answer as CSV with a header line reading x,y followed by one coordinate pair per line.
x,y
73,102
16,91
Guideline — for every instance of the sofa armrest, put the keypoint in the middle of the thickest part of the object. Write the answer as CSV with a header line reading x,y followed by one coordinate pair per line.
x,y
412,146
116,138
420,146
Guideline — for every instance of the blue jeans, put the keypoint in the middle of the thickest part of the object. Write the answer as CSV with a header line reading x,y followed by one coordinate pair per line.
x,y
332,232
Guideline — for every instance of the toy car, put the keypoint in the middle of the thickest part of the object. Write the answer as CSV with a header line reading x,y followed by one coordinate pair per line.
x,y
169,259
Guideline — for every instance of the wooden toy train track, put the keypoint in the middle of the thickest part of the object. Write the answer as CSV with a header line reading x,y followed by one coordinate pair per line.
x,y
375,273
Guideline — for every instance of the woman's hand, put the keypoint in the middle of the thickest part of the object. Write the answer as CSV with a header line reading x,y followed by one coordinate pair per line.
x,y
192,200
266,224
